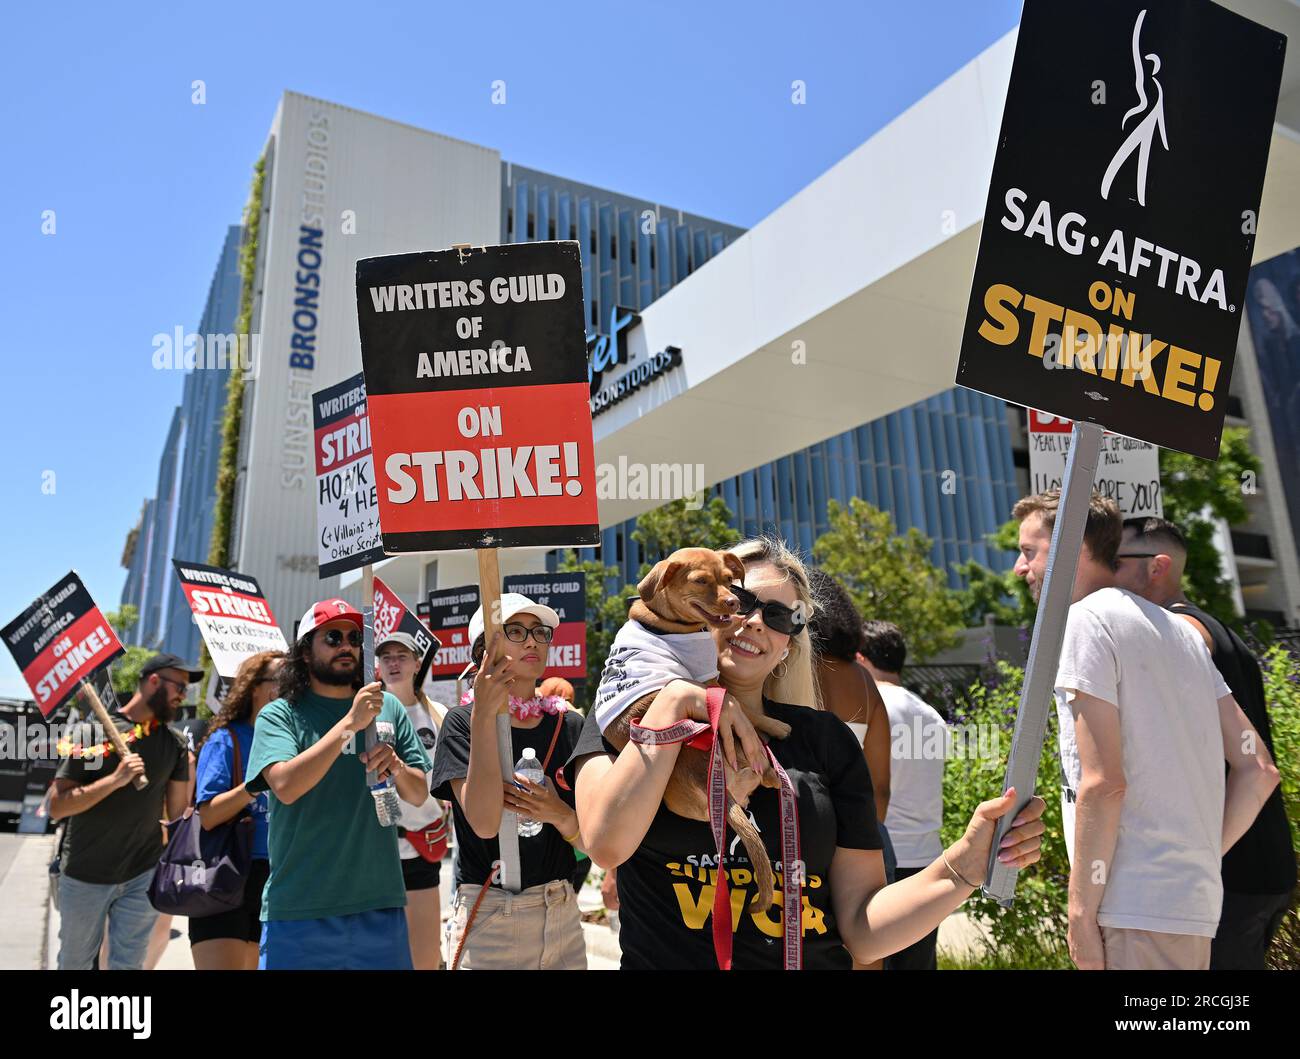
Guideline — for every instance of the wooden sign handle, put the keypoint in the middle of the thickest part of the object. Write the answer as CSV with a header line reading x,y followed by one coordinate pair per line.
x,y
489,585
115,737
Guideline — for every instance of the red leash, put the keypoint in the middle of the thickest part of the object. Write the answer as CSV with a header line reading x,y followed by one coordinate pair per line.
x,y
701,737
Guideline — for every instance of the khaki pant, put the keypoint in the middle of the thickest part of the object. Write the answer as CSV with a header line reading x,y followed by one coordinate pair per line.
x,y
536,930
1148,950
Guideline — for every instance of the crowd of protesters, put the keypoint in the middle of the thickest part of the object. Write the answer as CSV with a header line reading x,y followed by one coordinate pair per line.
x,y
1179,844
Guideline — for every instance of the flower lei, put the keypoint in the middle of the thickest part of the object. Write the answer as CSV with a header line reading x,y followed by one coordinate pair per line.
x,y
526,709
66,747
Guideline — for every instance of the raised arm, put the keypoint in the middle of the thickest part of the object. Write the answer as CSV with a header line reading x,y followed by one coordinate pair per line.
x,y
291,779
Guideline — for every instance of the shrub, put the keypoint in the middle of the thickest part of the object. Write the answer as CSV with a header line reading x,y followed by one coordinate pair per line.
x,y
1282,688
1032,932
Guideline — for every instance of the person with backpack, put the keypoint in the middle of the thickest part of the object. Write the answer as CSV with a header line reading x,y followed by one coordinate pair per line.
x,y
228,941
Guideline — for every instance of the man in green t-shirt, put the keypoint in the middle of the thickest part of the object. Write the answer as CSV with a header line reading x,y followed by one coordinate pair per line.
x,y
335,897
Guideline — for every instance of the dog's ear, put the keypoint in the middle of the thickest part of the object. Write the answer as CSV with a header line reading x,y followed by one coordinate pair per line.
x,y
733,565
660,574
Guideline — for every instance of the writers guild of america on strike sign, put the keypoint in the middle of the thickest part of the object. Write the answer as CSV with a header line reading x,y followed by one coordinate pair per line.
x,y
476,380
1122,214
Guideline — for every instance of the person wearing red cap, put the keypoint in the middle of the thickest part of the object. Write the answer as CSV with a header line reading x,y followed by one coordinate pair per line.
x,y
335,897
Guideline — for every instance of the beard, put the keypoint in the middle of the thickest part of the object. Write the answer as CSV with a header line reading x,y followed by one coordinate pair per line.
x,y
327,673
160,704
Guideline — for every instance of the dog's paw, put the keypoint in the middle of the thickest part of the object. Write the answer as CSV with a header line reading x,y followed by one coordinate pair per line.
x,y
778,729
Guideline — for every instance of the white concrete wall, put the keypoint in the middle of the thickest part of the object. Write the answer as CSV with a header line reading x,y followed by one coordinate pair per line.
x,y
411,190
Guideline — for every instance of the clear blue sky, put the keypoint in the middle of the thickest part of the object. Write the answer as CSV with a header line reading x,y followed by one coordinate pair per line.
x,y
684,103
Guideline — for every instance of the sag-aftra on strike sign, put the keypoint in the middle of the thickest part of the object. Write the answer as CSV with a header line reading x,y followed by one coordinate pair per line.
x,y
1122,214
476,377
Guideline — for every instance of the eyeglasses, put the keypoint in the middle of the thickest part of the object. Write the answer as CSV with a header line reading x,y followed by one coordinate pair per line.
x,y
776,616
334,637
174,683
1138,555
520,633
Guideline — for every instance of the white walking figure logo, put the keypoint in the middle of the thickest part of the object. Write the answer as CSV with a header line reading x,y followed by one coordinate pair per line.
x,y
731,852
1144,132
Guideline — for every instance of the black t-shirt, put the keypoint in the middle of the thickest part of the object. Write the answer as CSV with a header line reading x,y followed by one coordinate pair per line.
x,y
120,837
1262,860
545,856
665,889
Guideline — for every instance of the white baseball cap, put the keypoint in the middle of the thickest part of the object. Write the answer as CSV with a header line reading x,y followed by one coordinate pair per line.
x,y
513,603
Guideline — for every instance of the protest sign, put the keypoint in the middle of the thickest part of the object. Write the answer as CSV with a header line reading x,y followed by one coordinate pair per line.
x,y
449,612
392,615
1128,471
1121,216
347,511
476,379
59,641
231,613
566,594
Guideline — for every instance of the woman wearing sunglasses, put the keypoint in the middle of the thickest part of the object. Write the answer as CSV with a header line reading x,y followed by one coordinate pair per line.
x,y
228,940
538,928
667,864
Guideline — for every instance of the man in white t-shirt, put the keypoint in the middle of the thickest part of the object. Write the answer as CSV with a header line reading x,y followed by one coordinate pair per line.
x,y
1146,724
918,740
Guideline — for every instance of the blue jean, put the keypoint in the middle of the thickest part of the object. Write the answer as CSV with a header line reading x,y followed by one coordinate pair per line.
x,y
362,941
84,906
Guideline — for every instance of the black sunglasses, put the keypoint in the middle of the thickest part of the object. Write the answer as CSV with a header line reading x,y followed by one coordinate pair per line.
x,y
1138,555
334,637
776,616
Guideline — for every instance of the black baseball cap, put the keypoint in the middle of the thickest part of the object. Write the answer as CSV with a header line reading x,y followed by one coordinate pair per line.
x,y
165,661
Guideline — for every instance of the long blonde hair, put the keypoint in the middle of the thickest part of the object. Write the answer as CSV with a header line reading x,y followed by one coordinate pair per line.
x,y
790,681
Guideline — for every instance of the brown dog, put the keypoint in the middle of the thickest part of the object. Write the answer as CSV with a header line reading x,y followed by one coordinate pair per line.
x,y
688,592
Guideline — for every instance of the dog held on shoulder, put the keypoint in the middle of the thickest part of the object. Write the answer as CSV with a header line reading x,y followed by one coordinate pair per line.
x,y
667,637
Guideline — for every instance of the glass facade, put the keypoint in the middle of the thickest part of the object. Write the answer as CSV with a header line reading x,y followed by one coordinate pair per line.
x,y
178,521
954,446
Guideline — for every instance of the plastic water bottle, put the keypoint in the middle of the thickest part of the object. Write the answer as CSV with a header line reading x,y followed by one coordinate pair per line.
x,y
531,769
388,805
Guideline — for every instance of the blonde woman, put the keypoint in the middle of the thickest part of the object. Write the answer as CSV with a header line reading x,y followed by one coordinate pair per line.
x,y
666,869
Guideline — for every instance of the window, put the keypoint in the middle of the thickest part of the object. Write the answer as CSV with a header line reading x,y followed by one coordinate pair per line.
x,y
652,255
532,227
510,220
550,228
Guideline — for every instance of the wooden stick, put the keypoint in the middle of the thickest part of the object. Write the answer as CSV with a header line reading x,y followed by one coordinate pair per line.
x,y
367,586
114,736
489,583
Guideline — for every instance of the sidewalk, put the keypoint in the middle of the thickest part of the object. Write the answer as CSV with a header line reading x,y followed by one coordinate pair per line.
x,y
29,926
24,901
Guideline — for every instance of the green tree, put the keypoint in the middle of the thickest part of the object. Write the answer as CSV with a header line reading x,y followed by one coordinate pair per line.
x,y
889,575
677,525
1000,593
126,670
1195,492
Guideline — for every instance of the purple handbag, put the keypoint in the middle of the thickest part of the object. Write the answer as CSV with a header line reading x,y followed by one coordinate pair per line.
x,y
202,873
